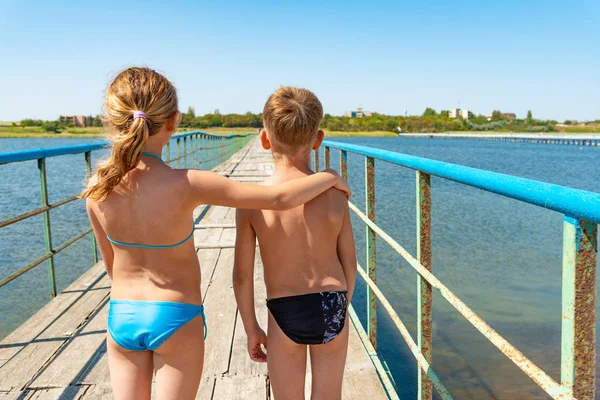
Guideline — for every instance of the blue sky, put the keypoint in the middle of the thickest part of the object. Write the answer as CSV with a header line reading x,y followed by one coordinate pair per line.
x,y
57,57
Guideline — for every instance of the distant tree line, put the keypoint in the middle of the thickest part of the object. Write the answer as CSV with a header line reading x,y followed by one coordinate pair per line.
x,y
55,126
429,121
216,119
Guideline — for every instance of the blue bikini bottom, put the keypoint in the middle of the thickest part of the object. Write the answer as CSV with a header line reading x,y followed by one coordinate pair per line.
x,y
145,325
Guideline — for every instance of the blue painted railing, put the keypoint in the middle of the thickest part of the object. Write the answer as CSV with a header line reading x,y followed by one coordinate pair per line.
x,y
193,150
581,211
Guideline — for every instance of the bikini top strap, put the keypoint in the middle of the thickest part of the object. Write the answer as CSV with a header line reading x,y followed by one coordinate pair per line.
x,y
153,156
146,246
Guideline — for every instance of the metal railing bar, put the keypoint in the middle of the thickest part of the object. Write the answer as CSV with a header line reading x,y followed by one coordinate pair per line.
x,y
423,364
27,155
43,258
573,202
71,241
543,380
37,211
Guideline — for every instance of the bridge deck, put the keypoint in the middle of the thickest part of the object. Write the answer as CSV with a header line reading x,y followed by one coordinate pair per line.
x,y
60,352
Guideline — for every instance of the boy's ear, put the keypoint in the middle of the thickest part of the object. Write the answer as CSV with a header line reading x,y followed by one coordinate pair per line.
x,y
319,141
264,140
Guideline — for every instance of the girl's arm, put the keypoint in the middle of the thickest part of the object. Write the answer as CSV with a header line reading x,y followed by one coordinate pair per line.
x,y
347,252
211,188
243,284
106,250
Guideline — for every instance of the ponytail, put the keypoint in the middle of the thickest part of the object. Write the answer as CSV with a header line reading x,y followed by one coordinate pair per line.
x,y
138,103
125,155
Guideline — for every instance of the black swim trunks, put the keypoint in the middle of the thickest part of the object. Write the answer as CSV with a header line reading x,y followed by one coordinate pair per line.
x,y
314,318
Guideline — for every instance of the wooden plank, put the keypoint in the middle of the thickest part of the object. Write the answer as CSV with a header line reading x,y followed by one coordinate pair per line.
x,y
79,355
69,392
220,245
207,386
202,237
206,226
228,236
101,391
217,214
15,395
360,376
41,320
25,364
240,388
221,311
208,261
241,364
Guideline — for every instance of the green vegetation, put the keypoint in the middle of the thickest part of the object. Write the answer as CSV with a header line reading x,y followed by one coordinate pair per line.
x,y
375,125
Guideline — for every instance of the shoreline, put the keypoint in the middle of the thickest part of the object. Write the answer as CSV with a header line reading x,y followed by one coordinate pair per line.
x,y
98,133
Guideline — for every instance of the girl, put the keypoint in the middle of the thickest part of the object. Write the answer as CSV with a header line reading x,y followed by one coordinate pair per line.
x,y
141,213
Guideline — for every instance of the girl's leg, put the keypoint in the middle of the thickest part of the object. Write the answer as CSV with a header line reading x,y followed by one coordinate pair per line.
x,y
178,362
130,372
327,363
286,362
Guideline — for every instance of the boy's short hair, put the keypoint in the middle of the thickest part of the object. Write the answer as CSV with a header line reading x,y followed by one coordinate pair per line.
x,y
292,117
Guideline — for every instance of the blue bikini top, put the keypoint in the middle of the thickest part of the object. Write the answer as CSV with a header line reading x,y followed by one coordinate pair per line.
x,y
146,246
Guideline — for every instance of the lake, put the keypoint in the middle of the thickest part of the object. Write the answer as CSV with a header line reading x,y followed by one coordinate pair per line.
x,y
502,257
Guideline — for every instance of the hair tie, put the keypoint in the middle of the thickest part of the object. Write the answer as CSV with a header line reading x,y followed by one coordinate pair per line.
x,y
139,114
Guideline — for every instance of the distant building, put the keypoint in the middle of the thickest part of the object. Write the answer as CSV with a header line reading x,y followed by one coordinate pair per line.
x,y
358,113
457,112
76,120
509,115
466,114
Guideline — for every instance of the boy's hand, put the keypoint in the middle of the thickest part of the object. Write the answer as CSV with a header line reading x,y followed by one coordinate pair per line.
x,y
255,340
340,184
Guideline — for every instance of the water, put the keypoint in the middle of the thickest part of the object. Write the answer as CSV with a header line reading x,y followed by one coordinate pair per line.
x,y
500,256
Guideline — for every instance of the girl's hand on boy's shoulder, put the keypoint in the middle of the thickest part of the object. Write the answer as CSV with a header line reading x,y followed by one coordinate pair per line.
x,y
255,340
340,184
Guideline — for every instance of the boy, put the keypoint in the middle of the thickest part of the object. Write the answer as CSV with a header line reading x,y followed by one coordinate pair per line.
x,y
309,261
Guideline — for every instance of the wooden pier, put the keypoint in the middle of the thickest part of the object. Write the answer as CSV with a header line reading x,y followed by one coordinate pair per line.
x,y
60,352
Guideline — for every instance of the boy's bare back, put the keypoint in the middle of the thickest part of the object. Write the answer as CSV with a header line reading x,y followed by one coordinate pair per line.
x,y
299,246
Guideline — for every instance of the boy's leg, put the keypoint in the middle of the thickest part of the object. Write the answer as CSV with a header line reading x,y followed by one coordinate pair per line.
x,y
179,361
286,362
327,367
130,372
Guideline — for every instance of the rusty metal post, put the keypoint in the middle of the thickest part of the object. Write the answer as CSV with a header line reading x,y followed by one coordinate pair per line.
x,y
344,164
424,287
578,354
317,160
185,152
168,151
178,153
88,167
195,148
327,157
47,229
371,250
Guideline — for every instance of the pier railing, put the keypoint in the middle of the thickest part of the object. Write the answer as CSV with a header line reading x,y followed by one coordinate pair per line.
x,y
581,212
191,150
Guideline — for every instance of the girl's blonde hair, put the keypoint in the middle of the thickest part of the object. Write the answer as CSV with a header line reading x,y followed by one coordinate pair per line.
x,y
134,89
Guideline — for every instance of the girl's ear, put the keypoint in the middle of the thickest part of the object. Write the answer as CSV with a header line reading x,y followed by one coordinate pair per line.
x,y
319,141
264,140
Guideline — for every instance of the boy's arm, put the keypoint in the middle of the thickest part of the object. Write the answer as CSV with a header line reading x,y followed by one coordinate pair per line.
x,y
243,284
211,188
347,252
